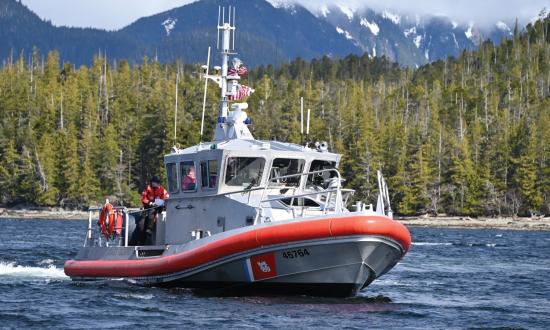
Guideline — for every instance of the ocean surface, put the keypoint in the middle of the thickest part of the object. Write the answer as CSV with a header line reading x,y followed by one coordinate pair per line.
x,y
451,278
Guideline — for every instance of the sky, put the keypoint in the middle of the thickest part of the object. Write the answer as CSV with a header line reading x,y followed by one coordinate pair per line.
x,y
115,14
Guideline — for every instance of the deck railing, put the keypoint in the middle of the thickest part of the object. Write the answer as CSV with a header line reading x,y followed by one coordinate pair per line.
x,y
99,240
334,200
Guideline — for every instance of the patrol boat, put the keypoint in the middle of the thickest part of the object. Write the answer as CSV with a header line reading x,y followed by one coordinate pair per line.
x,y
258,217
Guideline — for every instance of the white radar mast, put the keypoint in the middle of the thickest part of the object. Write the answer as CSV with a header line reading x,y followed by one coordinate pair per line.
x,y
232,120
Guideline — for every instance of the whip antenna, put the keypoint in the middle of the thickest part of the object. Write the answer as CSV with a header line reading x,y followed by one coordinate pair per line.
x,y
218,37
302,119
233,31
176,110
307,127
205,90
301,115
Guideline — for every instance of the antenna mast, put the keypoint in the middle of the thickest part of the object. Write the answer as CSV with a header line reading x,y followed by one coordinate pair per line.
x,y
227,30
307,127
302,120
176,110
205,90
232,123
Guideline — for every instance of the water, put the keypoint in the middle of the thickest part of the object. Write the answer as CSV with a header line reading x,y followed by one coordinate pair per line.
x,y
451,278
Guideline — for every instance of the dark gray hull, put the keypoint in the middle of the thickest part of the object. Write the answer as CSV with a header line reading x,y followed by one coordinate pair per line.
x,y
330,268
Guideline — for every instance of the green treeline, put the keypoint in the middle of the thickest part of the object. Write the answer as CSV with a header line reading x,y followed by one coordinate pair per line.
x,y
468,136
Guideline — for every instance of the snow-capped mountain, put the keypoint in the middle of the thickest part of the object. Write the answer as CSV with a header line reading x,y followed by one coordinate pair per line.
x,y
269,32
408,40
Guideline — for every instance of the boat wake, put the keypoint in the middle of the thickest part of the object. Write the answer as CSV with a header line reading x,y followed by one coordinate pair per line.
x,y
456,244
430,243
11,269
135,296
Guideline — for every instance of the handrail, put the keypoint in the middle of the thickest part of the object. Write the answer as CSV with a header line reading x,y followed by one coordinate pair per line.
x,y
122,208
126,211
298,196
307,173
338,205
242,191
302,174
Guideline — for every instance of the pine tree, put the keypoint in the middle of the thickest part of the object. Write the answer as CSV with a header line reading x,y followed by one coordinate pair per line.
x,y
526,178
9,172
28,188
468,186
45,162
106,153
67,177
415,197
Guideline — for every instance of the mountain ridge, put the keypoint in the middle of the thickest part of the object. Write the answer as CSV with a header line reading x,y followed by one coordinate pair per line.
x,y
267,34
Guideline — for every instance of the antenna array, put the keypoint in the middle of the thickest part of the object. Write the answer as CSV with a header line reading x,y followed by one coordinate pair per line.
x,y
231,15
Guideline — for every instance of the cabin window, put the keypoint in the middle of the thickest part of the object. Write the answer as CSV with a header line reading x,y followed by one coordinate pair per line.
x,y
319,179
300,202
188,176
244,171
172,173
283,167
209,173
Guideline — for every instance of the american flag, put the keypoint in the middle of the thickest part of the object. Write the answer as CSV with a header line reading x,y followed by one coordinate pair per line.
x,y
240,71
242,92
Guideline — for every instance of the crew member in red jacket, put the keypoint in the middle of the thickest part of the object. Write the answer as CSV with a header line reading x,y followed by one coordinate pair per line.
x,y
152,192
152,198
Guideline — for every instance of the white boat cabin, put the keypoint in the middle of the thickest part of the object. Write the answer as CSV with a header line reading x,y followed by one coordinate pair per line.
x,y
218,186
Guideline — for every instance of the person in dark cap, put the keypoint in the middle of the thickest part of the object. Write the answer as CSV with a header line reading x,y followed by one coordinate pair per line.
x,y
152,198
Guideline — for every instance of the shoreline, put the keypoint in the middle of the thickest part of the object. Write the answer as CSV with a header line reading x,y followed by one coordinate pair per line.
x,y
508,223
43,214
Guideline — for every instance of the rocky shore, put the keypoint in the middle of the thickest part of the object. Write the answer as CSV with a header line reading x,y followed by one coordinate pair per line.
x,y
43,213
535,223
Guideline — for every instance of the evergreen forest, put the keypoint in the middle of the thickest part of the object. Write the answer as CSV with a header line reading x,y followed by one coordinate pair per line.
x,y
463,136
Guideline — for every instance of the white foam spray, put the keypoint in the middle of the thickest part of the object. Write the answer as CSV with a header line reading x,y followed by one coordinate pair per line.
x,y
11,269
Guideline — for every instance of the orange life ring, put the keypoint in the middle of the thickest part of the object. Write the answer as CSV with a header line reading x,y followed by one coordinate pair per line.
x,y
107,219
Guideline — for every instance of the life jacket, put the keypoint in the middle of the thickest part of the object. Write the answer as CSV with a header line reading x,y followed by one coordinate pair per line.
x,y
150,194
